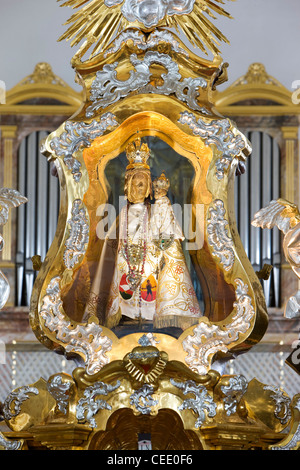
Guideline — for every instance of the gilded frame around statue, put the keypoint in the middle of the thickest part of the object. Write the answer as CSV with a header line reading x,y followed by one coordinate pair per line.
x,y
188,123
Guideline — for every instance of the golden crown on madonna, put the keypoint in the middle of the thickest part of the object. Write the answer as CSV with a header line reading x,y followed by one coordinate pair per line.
x,y
137,154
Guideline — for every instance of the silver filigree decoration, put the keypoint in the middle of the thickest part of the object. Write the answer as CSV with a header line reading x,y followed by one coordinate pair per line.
x,y
60,392
144,43
8,444
89,406
209,338
202,402
218,238
151,13
79,235
142,399
12,404
293,442
9,198
282,404
78,135
108,89
233,393
219,133
86,340
148,340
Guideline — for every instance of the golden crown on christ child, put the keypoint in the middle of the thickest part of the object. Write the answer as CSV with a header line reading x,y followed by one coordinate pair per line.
x,y
137,155
162,182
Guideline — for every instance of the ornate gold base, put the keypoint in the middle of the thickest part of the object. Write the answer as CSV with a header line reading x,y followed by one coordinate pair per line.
x,y
147,393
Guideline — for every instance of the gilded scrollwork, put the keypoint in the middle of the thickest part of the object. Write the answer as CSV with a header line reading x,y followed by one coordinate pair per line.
x,y
9,444
209,339
282,404
77,135
12,404
233,393
143,42
60,389
218,238
203,404
88,406
107,89
143,400
189,17
292,440
218,132
86,340
79,235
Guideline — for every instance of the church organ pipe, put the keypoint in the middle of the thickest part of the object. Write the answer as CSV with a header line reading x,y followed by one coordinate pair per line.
x,y
254,190
37,219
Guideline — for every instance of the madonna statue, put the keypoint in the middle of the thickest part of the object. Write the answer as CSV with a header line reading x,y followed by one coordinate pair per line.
x,y
145,280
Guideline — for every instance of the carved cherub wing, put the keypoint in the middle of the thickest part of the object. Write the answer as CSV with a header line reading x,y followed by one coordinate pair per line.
x,y
280,213
97,21
9,198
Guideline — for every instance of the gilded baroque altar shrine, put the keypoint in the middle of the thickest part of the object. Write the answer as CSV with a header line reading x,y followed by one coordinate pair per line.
x,y
147,285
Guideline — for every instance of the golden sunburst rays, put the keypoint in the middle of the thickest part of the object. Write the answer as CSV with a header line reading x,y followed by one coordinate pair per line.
x,y
97,22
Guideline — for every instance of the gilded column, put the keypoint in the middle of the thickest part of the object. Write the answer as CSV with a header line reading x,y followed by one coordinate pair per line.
x,y
8,135
290,135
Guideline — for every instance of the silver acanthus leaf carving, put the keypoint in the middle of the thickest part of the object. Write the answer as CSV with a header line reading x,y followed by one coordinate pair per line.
x,y
12,404
79,235
282,404
292,441
108,89
60,392
233,393
219,133
85,340
202,402
89,405
79,135
209,338
9,198
151,13
222,245
144,43
8,444
142,399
